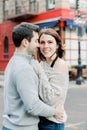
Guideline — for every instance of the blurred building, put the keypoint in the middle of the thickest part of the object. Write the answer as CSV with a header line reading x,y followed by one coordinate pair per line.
x,y
45,13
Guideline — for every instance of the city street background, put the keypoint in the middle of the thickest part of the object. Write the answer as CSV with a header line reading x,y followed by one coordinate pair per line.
x,y
75,105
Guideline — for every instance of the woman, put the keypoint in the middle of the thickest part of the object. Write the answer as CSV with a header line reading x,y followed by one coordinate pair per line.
x,y
54,82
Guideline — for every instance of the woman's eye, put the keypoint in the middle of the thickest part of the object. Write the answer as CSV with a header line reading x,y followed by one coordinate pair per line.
x,y
50,42
42,42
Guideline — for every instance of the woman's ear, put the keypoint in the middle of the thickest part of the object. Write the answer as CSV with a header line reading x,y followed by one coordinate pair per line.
x,y
64,47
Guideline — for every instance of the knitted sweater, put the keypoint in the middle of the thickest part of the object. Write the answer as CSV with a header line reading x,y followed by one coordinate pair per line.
x,y
22,105
53,86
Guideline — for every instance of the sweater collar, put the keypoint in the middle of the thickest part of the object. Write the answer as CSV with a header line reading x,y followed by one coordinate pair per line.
x,y
28,57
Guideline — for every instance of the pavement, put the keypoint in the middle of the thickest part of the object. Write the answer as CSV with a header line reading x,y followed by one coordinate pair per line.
x,y
72,84
76,106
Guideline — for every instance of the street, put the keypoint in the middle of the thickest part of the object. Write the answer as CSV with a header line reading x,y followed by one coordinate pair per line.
x,y
75,105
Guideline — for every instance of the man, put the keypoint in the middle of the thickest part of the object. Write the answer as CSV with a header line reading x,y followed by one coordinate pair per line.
x,y
22,104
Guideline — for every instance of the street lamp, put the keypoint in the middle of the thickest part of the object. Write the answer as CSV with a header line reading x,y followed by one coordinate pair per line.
x,y
79,79
80,22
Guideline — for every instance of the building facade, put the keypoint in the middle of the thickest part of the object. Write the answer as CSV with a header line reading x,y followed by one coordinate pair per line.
x,y
49,13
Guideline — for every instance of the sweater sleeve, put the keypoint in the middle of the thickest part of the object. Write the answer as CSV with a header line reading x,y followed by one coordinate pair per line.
x,y
50,90
27,86
54,89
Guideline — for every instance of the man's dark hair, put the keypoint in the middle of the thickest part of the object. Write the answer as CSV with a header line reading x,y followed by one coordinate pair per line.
x,y
23,30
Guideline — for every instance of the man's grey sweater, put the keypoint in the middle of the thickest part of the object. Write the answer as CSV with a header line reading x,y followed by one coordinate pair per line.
x,y
22,105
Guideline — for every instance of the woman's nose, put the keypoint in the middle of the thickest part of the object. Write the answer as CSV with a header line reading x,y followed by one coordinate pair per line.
x,y
46,45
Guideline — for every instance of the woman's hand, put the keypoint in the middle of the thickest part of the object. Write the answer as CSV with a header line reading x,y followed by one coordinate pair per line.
x,y
60,112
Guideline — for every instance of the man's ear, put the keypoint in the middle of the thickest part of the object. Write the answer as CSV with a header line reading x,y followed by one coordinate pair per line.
x,y
24,42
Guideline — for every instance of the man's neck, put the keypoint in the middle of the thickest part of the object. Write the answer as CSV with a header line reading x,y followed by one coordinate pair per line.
x,y
19,50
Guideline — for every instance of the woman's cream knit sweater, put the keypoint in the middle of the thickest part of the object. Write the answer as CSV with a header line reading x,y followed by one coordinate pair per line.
x,y
53,86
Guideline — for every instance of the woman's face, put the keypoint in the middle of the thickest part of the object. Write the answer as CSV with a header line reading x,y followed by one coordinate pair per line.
x,y
48,45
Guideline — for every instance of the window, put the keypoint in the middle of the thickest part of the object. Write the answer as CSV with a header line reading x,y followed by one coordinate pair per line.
x,y
18,6
6,8
6,5
50,4
33,5
6,45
